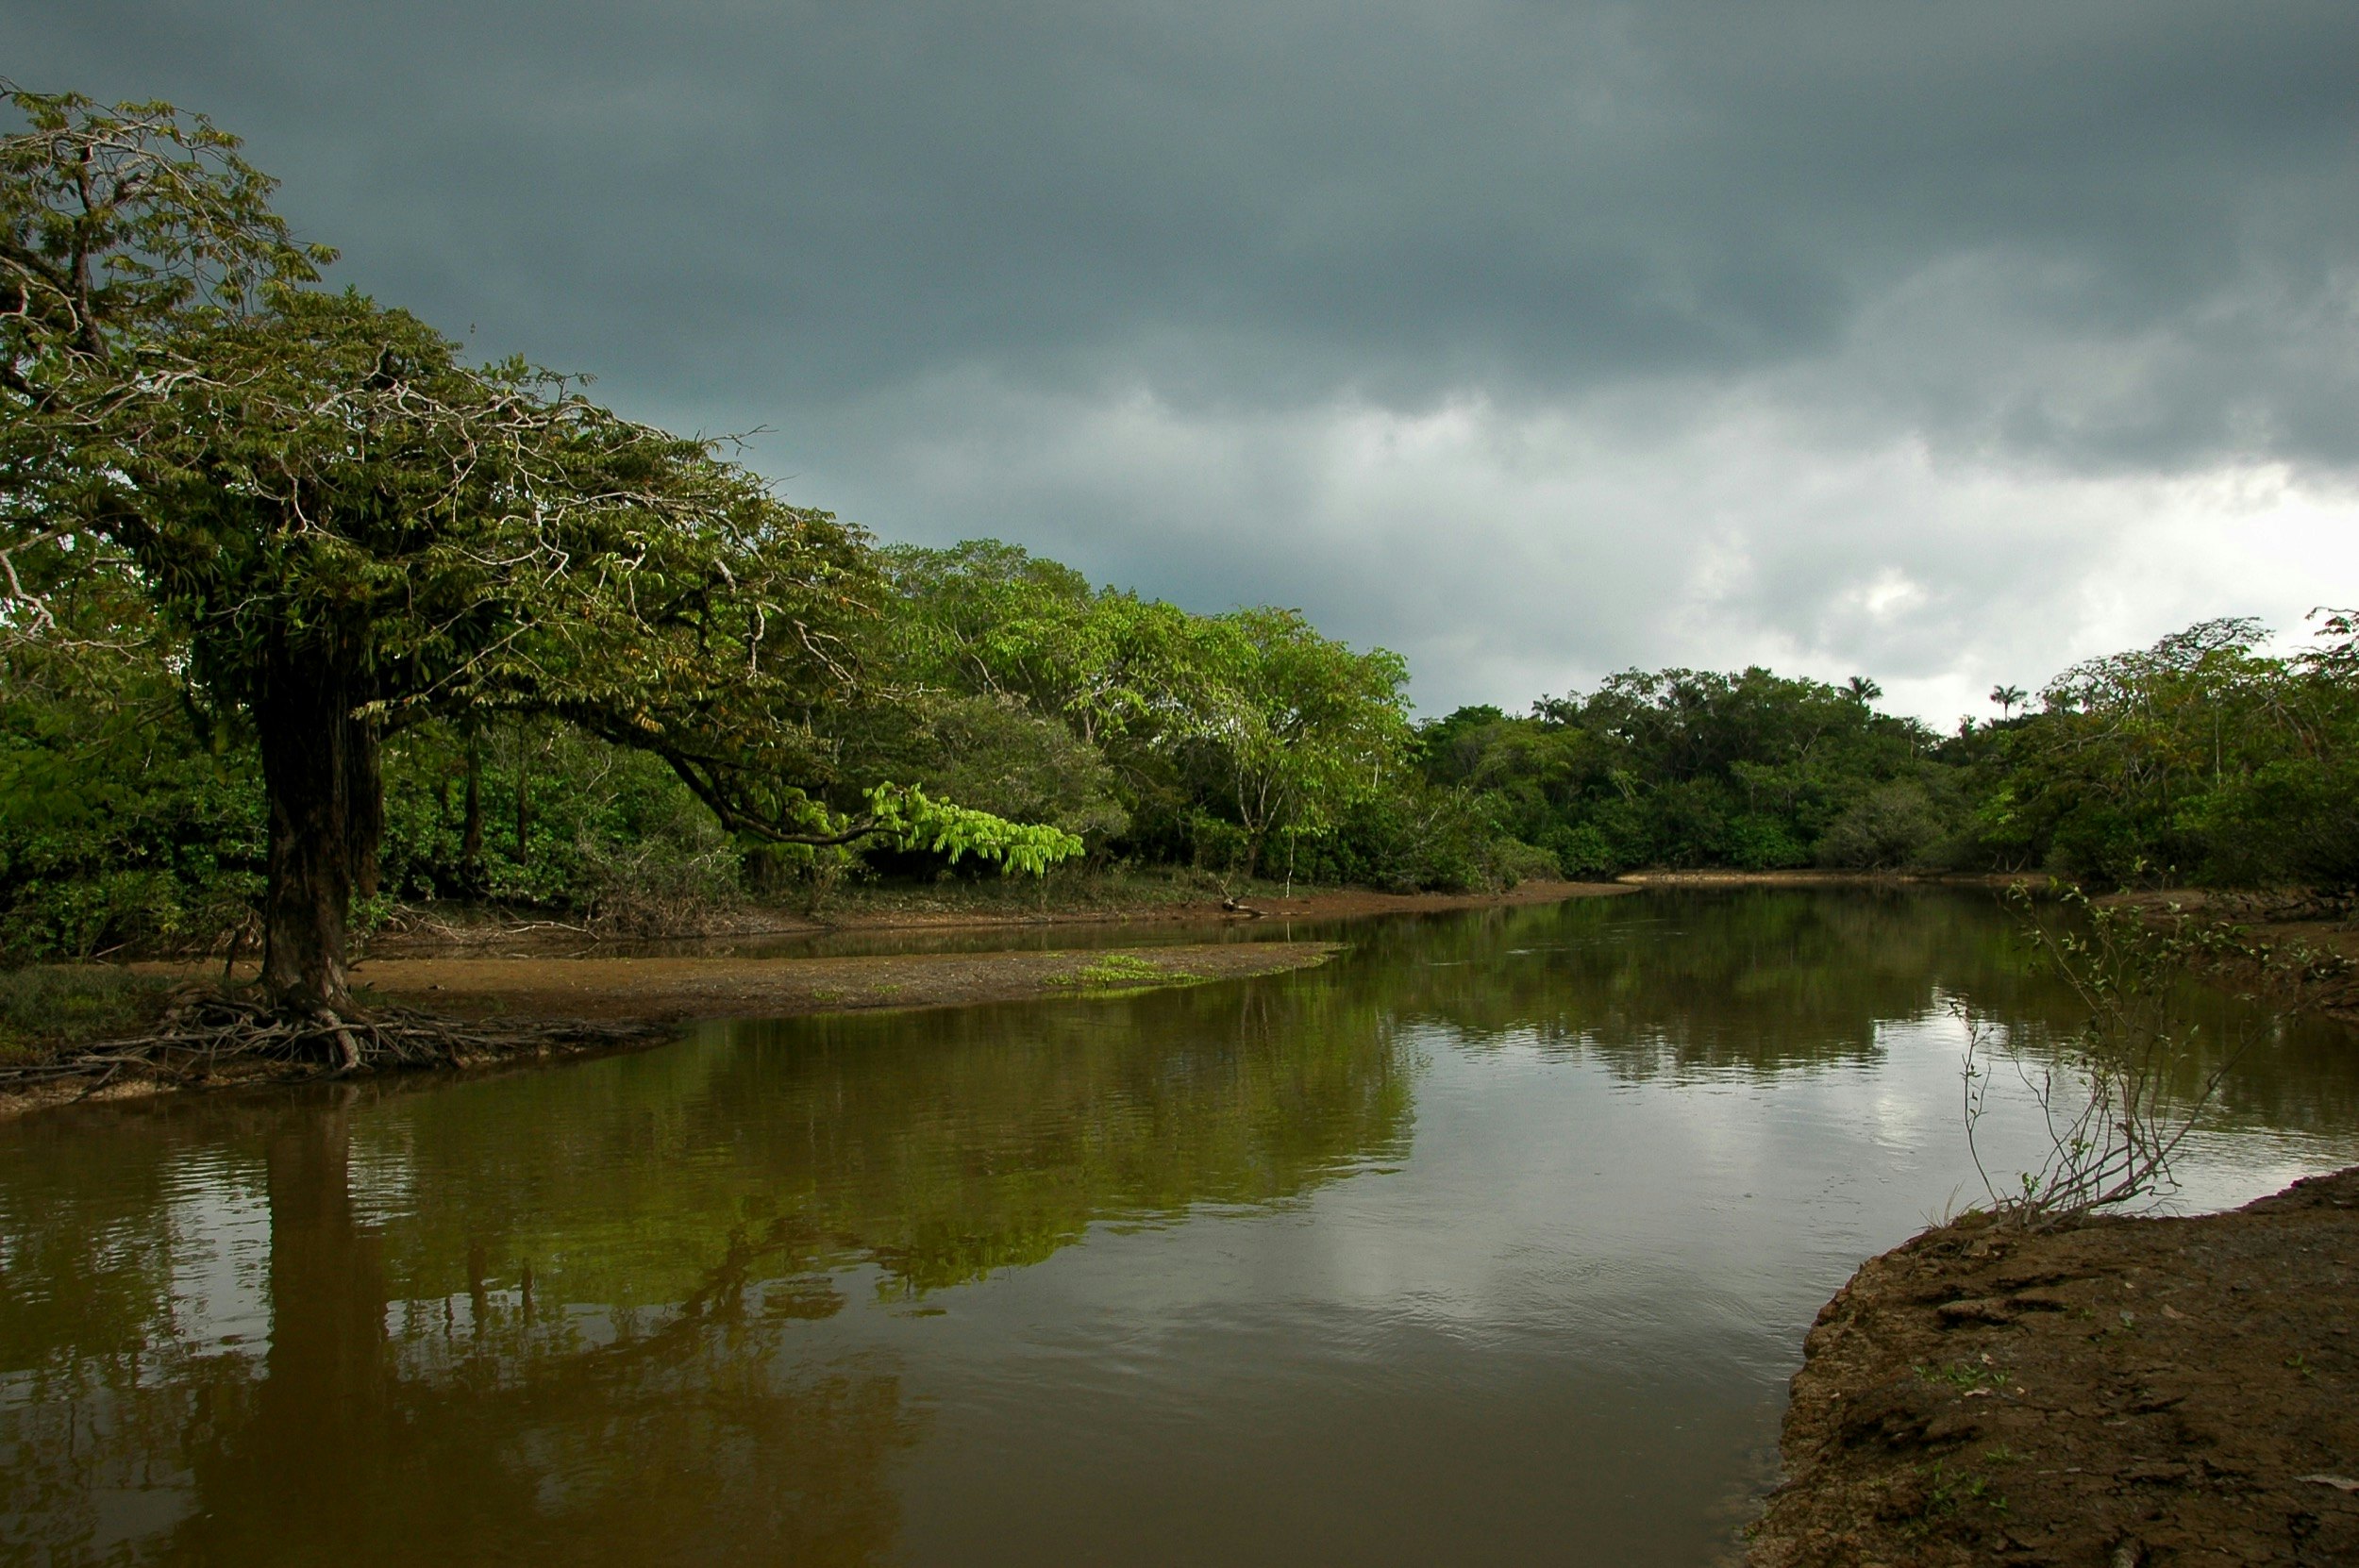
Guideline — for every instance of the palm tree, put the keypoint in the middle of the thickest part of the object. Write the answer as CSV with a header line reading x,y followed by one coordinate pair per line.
x,y
2009,698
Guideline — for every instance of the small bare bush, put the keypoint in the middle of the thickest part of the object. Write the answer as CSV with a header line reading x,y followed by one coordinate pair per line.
x,y
2128,1086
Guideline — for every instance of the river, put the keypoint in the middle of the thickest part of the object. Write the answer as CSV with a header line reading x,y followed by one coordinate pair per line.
x,y
1494,1239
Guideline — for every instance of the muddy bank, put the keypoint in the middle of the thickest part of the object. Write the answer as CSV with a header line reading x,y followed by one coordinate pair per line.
x,y
423,933
2287,922
2125,1393
688,989
542,1009
1829,879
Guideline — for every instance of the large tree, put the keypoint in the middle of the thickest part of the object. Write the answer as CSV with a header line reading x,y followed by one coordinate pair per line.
x,y
351,529
1293,726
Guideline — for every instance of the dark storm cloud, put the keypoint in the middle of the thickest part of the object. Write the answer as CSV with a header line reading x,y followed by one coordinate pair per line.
x,y
1129,280
1259,202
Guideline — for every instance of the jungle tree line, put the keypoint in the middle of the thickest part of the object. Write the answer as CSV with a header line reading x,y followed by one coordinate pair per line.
x,y
2198,759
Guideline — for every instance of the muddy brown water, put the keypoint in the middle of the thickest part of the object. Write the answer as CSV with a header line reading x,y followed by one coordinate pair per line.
x,y
1493,1240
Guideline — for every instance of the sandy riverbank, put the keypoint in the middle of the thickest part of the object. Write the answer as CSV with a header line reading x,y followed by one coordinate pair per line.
x,y
540,988
507,1011
2123,1393
690,989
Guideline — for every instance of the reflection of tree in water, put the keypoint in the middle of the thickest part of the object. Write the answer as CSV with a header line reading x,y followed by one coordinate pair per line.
x,y
563,1308
1672,984
1766,980
98,1396
374,1436
937,1144
96,1452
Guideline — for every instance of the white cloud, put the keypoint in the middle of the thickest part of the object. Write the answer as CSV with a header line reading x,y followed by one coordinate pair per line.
x,y
1511,552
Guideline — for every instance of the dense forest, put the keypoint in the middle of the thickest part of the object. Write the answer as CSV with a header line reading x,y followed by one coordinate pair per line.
x,y
1241,746
301,612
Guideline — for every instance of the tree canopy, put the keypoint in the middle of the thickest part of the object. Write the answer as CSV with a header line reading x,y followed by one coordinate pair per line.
x,y
349,530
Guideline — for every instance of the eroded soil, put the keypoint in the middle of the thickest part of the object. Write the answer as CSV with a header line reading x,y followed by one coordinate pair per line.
x,y
2287,922
2125,1393
681,990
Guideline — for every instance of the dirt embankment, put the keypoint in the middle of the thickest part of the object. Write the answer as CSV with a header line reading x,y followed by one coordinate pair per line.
x,y
2287,922
2123,1393
430,933
1829,878
682,990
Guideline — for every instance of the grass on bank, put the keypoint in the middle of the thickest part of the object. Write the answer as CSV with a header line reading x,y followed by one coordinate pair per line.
x,y
49,1007
1122,969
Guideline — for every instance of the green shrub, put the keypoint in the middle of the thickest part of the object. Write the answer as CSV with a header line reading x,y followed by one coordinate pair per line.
x,y
1892,827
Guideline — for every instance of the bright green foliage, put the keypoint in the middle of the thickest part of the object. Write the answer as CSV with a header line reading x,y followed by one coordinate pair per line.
x,y
909,819
987,618
1290,730
1232,739
996,754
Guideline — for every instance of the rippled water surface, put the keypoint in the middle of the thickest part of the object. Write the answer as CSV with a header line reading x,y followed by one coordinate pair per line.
x,y
1493,1241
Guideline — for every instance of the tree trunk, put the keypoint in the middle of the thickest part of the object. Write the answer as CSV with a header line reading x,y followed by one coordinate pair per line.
x,y
320,772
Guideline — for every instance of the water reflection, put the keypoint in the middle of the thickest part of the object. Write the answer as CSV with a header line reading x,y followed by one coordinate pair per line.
x,y
371,1431
555,1306
937,1146
804,1292
1758,981
1767,981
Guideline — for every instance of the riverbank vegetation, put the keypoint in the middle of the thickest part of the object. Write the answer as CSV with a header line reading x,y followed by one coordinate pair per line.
x,y
306,617
1185,752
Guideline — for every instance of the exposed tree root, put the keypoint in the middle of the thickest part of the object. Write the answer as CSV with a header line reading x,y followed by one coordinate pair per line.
x,y
210,1035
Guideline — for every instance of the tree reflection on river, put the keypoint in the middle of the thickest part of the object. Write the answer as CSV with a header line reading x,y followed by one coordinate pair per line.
x,y
715,1303
578,1335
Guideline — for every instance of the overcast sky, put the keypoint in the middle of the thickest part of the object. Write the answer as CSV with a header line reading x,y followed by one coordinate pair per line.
x,y
1535,339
